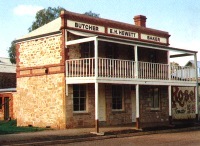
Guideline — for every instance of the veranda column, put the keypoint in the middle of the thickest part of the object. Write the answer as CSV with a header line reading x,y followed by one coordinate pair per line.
x,y
96,86
169,89
136,61
137,107
170,103
197,89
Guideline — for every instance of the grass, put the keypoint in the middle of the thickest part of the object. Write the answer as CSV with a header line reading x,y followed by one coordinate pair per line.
x,y
10,127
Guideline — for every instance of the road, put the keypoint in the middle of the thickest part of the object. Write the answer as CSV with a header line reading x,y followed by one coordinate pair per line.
x,y
166,139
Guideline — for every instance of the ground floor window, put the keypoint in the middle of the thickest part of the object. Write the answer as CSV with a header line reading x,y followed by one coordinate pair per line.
x,y
117,102
79,97
155,97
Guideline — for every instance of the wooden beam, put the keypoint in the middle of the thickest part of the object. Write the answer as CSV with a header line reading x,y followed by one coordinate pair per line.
x,y
78,41
180,55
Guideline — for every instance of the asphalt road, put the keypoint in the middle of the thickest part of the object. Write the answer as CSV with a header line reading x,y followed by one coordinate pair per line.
x,y
191,138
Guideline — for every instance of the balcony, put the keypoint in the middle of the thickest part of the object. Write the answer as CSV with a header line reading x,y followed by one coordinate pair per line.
x,y
127,70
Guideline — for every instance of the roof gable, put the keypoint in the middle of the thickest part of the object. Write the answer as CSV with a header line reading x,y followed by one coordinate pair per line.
x,y
50,27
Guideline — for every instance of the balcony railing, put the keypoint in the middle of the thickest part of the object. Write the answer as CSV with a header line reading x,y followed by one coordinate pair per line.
x,y
116,68
149,70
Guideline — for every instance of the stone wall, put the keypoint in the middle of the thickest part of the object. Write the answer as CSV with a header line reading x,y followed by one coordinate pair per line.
x,y
73,50
87,119
40,97
41,101
39,52
150,117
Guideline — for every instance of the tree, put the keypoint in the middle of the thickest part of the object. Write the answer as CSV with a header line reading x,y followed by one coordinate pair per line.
x,y
42,17
11,52
45,16
90,13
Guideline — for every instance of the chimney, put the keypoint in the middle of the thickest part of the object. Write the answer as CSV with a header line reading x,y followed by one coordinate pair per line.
x,y
140,20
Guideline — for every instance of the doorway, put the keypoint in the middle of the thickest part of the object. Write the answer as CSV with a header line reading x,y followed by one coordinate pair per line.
x,y
6,108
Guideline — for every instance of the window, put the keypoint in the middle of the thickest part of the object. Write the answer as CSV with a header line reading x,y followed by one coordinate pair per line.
x,y
1,102
117,97
79,97
87,50
155,98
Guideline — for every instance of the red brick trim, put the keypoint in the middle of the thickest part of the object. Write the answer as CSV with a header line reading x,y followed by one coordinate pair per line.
x,y
62,46
17,46
97,126
137,123
47,71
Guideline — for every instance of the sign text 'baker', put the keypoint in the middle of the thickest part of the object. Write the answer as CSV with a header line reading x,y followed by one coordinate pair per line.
x,y
153,38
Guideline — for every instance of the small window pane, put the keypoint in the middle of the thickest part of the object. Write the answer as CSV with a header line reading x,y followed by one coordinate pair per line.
x,y
76,100
82,93
76,93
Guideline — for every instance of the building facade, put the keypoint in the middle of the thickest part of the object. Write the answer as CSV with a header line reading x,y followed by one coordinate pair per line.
x,y
81,71
7,87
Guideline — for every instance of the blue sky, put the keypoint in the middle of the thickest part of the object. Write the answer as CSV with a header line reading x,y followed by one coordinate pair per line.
x,y
181,18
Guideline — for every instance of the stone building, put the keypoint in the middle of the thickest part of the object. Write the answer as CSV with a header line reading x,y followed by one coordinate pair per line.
x,y
81,71
7,87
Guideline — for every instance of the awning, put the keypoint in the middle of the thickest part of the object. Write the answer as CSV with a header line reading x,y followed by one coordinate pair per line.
x,y
91,37
78,33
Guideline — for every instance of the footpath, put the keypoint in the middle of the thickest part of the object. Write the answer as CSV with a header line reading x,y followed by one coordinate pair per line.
x,y
51,137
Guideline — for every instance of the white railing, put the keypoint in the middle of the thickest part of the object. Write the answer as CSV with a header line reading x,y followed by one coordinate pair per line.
x,y
116,68
183,73
149,70
80,67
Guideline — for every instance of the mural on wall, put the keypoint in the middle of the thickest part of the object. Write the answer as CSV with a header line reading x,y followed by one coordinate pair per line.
x,y
183,102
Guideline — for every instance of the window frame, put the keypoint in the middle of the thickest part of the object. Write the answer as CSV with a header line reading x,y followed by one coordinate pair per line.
x,y
122,97
155,93
79,98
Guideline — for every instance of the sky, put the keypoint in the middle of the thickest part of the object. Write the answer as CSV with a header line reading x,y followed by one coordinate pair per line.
x,y
181,18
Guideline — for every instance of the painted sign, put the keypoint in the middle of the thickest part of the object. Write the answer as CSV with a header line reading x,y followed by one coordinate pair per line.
x,y
123,33
114,31
85,26
153,38
183,102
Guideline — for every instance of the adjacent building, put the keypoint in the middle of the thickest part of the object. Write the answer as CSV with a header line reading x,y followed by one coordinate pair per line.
x,y
7,87
81,71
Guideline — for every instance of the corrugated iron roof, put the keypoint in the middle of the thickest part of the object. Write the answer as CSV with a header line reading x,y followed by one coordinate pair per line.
x,y
6,66
50,27
192,62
